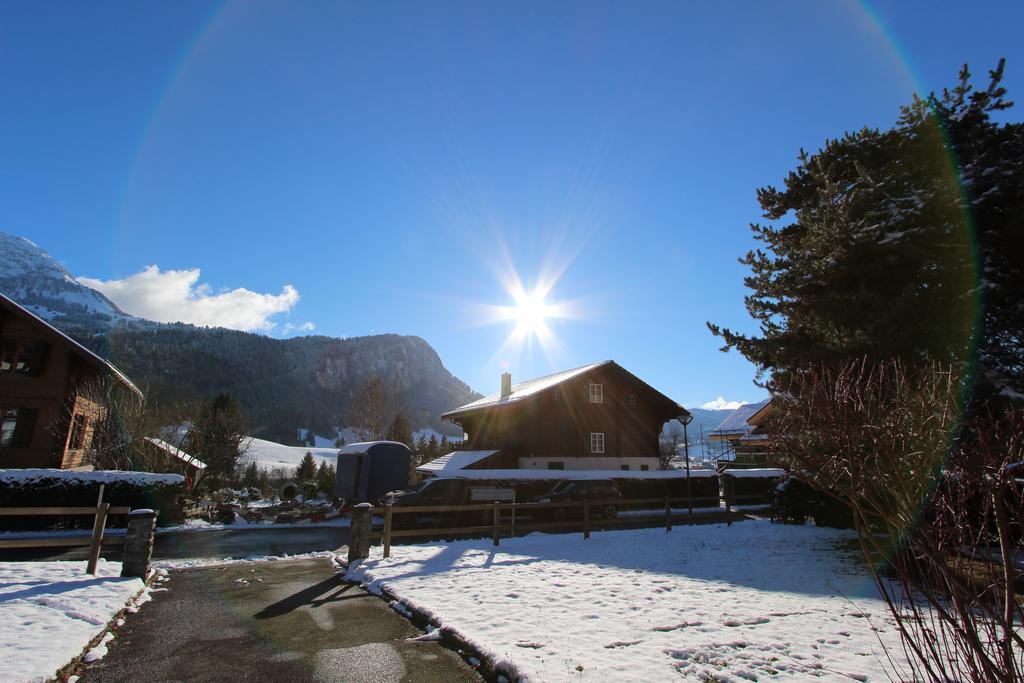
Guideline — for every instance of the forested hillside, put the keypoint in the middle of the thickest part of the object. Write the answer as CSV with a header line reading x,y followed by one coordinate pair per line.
x,y
281,384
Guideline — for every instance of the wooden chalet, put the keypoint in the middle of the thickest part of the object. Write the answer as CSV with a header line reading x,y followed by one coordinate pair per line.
x,y
595,417
739,439
47,417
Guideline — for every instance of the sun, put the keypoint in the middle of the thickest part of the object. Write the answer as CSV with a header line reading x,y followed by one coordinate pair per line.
x,y
533,316
531,312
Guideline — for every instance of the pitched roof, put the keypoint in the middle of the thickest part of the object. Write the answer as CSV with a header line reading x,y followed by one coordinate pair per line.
x,y
736,423
532,387
454,461
78,348
176,452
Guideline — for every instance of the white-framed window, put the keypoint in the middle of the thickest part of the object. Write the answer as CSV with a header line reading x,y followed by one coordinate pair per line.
x,y
596,440
631,400
597,393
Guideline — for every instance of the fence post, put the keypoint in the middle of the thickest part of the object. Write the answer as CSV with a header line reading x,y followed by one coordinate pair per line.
x,y
689,501
387,530
497,515
99,523
727,493
586,519
359,539
668,514
138,543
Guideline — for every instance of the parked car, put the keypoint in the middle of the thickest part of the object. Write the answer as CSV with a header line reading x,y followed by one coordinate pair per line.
x,y
602,491
442,492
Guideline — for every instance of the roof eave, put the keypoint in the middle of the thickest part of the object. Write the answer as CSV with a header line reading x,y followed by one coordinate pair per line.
x,y
81,350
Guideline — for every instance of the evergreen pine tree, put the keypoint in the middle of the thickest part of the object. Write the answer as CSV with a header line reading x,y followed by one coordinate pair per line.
x,y
251,476
306,471
400,430
216,439
325,475
875,256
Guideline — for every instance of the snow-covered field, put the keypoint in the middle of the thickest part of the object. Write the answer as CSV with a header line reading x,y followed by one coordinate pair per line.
x,y
52,610
350,435
754,601
270,455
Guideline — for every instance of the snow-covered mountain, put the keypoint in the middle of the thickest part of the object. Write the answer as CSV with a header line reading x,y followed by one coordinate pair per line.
x,y
37,281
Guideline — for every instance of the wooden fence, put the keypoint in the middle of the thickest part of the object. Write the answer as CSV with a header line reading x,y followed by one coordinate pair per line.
x,y
495,525
94,541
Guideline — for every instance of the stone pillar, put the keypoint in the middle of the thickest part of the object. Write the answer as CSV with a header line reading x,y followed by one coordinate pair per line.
x,y
138,544
359,541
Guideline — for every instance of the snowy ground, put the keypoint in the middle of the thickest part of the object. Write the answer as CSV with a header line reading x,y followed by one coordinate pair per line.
x,y
270,455
163,565
52,610
754,601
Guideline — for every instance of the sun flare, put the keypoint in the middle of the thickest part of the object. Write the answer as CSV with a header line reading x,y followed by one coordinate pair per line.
x,y
531,312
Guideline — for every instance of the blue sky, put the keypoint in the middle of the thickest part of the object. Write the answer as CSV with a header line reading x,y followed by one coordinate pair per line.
x,y
394,163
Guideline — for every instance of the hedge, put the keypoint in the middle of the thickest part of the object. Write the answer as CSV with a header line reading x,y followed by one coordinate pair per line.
x,y
752,486
797,501
65,488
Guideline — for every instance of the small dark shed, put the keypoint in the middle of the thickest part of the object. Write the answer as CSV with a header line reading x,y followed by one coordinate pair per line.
x,y
366,471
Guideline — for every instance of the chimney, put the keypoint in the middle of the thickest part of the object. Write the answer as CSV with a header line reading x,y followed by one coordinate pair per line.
x,y
506,384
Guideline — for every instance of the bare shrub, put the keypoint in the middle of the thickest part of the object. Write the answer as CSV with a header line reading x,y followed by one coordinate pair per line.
x,y
936,505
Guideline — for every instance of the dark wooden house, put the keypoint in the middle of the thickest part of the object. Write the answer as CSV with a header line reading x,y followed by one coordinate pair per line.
x,y
598,417
48,382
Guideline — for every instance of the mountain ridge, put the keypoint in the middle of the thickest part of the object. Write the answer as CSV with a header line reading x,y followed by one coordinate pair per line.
x,y
282,384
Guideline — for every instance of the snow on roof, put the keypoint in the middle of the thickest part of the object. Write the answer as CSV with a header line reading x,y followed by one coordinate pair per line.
x,y
89,355
756,473
177,453
363,446
572,474
736,423
454,461
526,389
99,476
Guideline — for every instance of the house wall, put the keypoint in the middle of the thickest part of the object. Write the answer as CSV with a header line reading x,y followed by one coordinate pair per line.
x,y
93,413
48,392
634,463
557,423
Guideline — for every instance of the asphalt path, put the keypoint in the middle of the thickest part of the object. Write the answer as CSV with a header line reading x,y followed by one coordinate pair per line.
x,y
290,620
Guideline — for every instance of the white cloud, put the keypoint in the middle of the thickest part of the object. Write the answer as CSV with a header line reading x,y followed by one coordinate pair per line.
x,y
721,404
177,296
